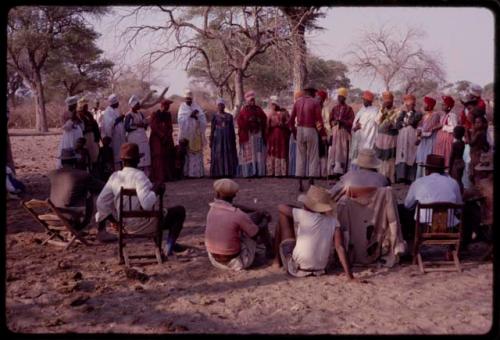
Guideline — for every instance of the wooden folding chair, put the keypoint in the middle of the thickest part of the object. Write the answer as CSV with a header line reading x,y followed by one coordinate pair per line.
x,y
51,218
156,235
440,231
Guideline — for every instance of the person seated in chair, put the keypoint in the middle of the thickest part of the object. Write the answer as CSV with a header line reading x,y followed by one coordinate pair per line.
x,y
365,176
130,177
435,186
71,190
305,250
233,231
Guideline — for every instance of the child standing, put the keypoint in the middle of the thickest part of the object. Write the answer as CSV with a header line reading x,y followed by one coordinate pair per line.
x,y
456,162
105,159
83,160
478,143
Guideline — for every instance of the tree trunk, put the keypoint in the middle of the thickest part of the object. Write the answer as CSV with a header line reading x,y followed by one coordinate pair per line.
x,y
41,115
12,99
299,59
238,89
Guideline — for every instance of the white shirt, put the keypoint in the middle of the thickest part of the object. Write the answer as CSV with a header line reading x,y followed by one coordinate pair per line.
x,y
314,239
366,116
431,189
108,121
108,201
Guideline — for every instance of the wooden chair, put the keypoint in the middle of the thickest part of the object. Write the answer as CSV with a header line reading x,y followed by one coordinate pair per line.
x,y
440,231
52,219
156,235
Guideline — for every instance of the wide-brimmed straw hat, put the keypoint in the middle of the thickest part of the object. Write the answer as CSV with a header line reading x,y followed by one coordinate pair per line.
x,y
130,151
434,162
485,162
226,187
317,199
367,158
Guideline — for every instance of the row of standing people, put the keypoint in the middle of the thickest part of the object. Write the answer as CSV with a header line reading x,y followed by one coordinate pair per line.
x,y
280,144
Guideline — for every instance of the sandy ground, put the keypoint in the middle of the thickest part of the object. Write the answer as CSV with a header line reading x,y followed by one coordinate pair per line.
x,y
86,290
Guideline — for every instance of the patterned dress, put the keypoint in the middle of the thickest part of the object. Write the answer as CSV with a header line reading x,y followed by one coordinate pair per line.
x,y
385,143
224,158
277,145
429,125
338,155
252,124
444,137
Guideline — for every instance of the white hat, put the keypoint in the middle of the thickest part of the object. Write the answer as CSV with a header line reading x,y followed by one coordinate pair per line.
x,y
274,100
188,93
475,90
226,187
113,99
220,101
133,101
317,199
71,100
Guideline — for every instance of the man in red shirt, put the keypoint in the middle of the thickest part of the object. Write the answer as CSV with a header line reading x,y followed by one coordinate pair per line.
x,y
307,112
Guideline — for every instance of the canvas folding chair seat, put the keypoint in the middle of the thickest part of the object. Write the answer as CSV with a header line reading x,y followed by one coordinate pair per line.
x,y
55,223
155,235
441,231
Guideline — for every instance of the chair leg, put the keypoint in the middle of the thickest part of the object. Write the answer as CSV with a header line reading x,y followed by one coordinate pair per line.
x,y
456,260
51,236
415,251
420,263
120,250
71,240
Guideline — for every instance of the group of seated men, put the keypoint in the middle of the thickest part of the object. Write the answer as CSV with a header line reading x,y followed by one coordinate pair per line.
x,y
303,239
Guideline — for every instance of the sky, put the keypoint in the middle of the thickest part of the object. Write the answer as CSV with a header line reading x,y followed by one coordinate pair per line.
x,y
464,37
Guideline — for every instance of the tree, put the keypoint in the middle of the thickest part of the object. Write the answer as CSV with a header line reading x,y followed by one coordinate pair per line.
x,y
14,83
328,74
395,57
33,34
300,19
489,91
241,33
78,65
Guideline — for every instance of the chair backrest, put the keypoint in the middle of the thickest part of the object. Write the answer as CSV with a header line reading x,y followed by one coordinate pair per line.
x,y
126,196
442,217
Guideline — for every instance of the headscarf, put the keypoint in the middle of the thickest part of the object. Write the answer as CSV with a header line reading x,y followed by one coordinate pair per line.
x,y
249,95
342,92
448,100
409,97
274,100
367,95
71,100
113,99
322,94
387,96
133,101
430,102
220,101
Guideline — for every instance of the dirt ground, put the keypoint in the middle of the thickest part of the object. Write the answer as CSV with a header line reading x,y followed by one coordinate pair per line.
x,y
85,290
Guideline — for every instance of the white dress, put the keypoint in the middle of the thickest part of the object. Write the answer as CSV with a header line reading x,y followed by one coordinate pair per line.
x,y
115,131
363,138
138,136
194,131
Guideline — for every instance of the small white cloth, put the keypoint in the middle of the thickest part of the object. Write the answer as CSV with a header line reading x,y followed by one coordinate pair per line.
x,y
431,189
314,239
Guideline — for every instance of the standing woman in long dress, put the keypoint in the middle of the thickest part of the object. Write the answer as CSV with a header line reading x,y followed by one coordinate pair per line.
x,y
426,134
72,127
252,127
135,126
192,126
277,143
406,147
444,137
90,131
161,143
223,154
387,134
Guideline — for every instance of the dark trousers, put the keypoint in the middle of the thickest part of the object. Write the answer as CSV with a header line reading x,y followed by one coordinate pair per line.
x,y
173,221
407,220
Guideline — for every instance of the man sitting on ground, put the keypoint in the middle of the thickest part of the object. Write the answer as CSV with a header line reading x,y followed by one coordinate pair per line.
x,y
233,231
365,176
305,250
71,190
130,177
434,187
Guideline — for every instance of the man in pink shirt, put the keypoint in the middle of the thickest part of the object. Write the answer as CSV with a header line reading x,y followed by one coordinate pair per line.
x,y
231,235
307,111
